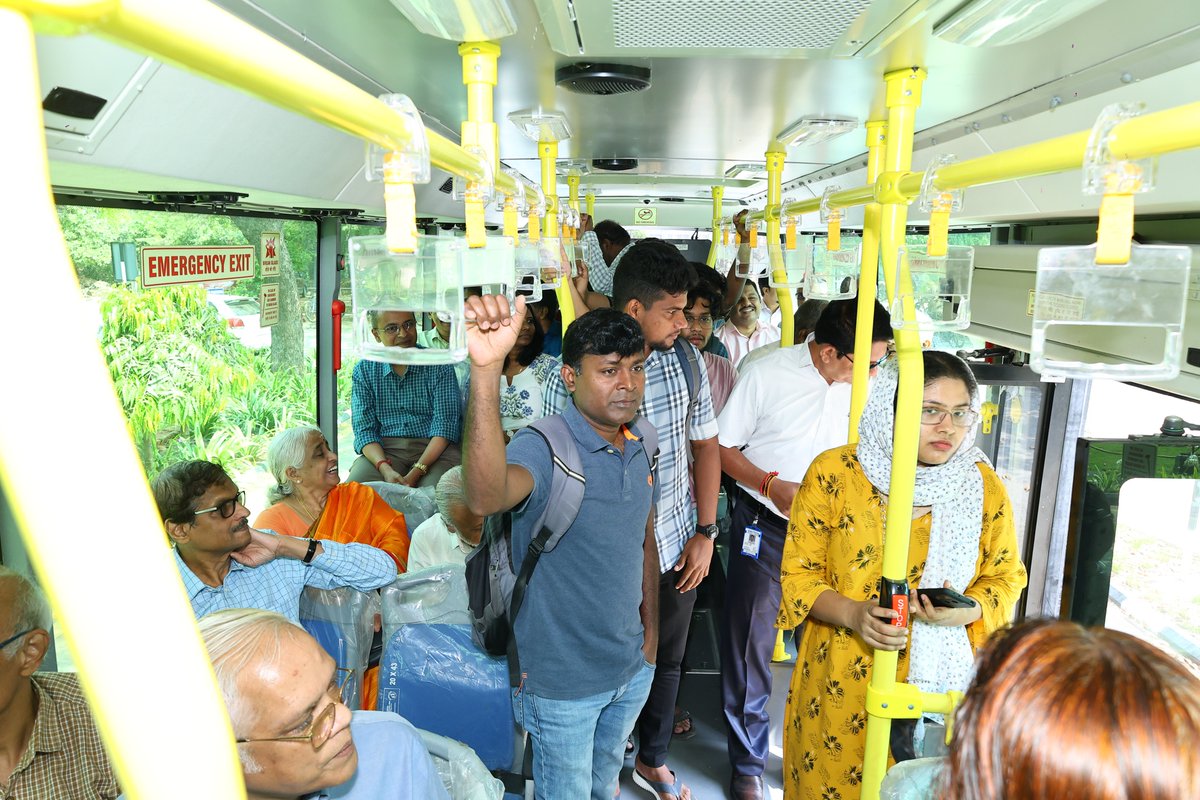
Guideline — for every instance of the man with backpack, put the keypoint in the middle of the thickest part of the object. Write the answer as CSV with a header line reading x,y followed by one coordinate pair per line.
x,y
585,631
651,285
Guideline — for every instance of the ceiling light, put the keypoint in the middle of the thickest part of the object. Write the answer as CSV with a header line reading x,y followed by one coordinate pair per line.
x,y
567,168
749,170
814,130
999,22
541,126
461,20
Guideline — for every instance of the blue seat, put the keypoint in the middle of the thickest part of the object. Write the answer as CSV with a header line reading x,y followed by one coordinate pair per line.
x,y
434,676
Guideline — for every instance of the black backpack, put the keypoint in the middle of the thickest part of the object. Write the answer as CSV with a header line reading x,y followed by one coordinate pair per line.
x,y
494,592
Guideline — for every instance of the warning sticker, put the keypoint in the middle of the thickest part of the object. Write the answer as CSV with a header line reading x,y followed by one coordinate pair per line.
x,y
268,254
268,303
1061,307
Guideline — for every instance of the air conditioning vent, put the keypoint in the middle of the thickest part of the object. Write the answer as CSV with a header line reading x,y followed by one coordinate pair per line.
x,y
670,199
73,103
602,79
447,187
615,164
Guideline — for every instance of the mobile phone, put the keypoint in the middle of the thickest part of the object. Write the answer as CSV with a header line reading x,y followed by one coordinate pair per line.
x,y
946,598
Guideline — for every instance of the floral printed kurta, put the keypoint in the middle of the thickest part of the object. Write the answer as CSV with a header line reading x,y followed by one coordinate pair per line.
x,y
835,541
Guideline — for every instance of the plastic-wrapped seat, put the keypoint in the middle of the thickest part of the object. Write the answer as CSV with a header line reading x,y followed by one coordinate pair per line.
x,y
463,774
416,505
342,622
913,780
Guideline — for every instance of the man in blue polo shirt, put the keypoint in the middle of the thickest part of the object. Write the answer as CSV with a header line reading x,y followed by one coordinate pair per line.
x,y
585,676
407,419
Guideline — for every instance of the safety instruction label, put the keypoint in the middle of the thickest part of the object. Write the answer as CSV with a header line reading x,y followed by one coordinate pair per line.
x,y
645,216
177,266
268,254
268,304
1062,307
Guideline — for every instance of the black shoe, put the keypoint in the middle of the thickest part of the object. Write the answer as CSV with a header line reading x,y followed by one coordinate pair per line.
x,y
746,787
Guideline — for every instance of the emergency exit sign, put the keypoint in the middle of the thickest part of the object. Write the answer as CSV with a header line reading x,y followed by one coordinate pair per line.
x,y
175,266
645,216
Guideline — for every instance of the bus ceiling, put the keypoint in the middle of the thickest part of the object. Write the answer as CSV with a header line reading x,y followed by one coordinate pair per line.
x,y
722,86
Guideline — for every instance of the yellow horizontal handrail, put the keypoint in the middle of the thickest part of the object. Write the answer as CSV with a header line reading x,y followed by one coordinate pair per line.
x,y
184,33
1154,134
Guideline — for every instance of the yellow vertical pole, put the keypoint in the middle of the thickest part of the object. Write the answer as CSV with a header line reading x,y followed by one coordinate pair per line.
x,y
903,98
591,205
718,194
573,202
479,128
868,279
548,153
787,309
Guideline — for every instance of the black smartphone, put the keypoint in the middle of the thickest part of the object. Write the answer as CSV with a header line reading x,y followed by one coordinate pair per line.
x,y
947,598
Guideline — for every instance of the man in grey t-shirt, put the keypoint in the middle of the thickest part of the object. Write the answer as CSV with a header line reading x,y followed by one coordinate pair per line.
x,y
584,675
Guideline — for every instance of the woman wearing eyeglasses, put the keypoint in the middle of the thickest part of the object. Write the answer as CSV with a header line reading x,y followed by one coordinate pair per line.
x,y
962,538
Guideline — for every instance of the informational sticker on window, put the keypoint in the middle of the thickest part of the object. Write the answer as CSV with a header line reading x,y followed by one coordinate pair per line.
x,y
177,266
268,253
645,216
268,304
1062,307
1138,461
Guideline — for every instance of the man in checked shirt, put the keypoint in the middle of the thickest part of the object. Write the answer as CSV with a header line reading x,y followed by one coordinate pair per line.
x,y
651,285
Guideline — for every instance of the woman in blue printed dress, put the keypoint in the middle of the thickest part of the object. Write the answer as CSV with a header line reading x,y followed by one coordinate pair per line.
x,y
526,369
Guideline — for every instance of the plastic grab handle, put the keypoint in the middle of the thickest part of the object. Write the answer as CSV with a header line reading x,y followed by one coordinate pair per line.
x,y
339,308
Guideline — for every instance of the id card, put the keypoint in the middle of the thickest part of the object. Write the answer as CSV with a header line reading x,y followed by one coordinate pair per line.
x,y
751,541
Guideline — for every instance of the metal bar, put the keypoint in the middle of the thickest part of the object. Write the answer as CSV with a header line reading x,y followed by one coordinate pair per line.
x,y
185,33
329,234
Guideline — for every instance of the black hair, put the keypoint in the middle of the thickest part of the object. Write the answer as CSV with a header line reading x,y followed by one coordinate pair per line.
x,y
608,231
808,313
651,269
179,486
837,322
940,364
536,345
549,300
601,332
710,287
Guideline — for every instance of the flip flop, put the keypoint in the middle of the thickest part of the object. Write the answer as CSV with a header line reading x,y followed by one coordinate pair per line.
x,y
681,718
658,788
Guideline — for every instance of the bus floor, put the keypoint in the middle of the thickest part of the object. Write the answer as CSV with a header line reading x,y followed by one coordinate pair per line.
x,y
702,762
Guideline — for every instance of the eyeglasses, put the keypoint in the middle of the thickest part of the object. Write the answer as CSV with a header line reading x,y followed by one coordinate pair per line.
x,y
873,364
394,328
703,319
226,507
321,728
962,418
12,639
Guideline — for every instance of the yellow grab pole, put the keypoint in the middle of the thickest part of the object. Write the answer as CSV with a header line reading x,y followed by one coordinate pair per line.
x,y
591,205
548,153
867,280
718,194
787,309
205,39
903,98
479,128
573,200
127,580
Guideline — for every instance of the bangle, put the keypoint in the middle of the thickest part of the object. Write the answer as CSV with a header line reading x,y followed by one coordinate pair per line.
x,y
766,482
381,461
424,469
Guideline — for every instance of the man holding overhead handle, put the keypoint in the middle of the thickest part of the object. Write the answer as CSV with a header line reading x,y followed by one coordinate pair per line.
x,y
584,676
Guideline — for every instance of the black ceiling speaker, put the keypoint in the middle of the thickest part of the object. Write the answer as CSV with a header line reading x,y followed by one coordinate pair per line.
x,y
602,79
615,164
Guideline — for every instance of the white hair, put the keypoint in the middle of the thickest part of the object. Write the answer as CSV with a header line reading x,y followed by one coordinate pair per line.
x,y
236,638
288,450
449,492
30,611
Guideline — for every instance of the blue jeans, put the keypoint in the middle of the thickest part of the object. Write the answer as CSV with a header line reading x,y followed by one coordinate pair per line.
x,y
579,745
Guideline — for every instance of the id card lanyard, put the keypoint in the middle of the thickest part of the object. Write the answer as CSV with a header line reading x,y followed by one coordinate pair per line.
x,y
752,539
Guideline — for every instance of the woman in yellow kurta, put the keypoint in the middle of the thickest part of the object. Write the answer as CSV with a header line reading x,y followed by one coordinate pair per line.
x,y
962,538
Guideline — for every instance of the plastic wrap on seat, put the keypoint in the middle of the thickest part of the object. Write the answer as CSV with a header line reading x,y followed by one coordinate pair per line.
x,y
463,774
342,622
415,504
913,780
435,677
433,594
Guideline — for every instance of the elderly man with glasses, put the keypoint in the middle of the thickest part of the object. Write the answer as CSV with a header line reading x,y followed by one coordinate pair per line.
x,y
295,736
224,563
49,747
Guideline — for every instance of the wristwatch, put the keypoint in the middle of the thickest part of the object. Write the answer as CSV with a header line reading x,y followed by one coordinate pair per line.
x,y
709,531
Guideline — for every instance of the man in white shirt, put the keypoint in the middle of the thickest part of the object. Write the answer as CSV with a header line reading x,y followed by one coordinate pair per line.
x,y
789,407
450,534
744,331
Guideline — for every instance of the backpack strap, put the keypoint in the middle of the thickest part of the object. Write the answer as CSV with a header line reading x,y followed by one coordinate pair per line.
x,y
688,359
649,436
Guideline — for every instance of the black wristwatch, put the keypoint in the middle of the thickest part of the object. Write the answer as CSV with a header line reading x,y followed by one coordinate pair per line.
x,y
709,531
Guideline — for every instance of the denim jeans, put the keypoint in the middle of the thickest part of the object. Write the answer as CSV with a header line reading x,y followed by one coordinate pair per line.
x,y
579,745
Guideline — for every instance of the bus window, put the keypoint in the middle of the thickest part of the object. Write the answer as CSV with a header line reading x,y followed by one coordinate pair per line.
x,y
198,372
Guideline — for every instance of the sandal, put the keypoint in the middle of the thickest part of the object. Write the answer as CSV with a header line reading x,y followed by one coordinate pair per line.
x,y
658,788
683,720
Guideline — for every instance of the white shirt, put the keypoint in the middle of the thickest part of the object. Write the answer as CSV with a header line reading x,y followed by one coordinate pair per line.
x,y
739,345
432,544
782,414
